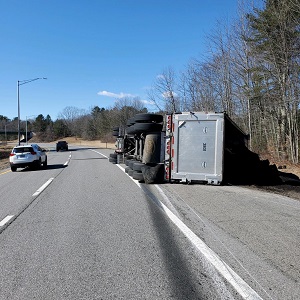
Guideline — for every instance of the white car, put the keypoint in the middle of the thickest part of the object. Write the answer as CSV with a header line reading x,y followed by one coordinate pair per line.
x,y
27,155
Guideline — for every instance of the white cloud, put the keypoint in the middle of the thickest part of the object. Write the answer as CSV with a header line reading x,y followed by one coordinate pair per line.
x,y
169,95
148,102
114,95
160,76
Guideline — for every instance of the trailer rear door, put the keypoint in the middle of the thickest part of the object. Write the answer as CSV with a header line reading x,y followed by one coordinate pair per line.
x,y
198,147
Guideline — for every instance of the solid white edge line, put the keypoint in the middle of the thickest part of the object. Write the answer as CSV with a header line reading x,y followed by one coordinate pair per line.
x,y
43,187
233,278
99,153
5,220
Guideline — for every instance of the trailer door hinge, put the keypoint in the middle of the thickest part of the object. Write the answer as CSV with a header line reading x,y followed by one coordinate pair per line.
x,y
181,123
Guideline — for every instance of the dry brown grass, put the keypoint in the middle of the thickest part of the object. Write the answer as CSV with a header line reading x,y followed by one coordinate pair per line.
x,y
81,142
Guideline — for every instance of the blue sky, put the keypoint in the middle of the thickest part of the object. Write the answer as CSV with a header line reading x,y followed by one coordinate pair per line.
x,y
94,51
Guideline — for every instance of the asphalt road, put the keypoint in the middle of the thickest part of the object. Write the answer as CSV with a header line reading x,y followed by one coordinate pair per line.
x,y
83,229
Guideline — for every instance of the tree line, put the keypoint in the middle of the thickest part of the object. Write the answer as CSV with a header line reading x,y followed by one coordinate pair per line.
x,y
251,72
72,121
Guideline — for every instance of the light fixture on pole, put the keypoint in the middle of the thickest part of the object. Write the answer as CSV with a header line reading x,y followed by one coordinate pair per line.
x,y
21,82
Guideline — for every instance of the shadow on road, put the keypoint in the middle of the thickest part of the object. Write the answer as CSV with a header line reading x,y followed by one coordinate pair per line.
x,y
185,285
49,167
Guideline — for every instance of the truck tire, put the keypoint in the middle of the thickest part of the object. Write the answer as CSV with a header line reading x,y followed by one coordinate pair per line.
x,y
112,160
130,172
147,118
113,155
152,148
153,173
137,166
130,163
130,130
138,176
130,122
147,127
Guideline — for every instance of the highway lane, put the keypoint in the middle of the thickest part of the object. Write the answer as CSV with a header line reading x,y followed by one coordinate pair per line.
x,y
17,188
94,234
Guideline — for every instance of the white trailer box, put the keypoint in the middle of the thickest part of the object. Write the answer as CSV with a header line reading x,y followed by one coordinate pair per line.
x,y
194,146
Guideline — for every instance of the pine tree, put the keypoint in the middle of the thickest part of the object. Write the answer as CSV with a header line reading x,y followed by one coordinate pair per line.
x,y
276,45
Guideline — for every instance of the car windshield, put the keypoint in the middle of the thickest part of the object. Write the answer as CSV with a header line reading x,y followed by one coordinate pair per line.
x,y
23,150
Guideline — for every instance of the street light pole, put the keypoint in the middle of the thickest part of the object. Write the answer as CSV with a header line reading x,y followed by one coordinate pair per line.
x,y
21,82
27,127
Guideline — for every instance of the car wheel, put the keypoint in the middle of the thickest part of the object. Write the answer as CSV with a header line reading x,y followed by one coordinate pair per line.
x,y
45,163
38,164
13,169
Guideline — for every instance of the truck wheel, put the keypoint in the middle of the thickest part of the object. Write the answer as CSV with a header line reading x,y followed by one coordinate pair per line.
x,y
138,176
147,118
137,166
147,127
130,172
112,160
113,155
130,163
130,130
130,122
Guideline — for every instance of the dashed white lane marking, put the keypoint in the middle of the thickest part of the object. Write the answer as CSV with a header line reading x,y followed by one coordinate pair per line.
x,y
5,220
67,162
42,187
233,278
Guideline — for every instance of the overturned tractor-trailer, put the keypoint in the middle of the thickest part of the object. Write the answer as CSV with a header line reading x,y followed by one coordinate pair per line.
x,y
188,147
